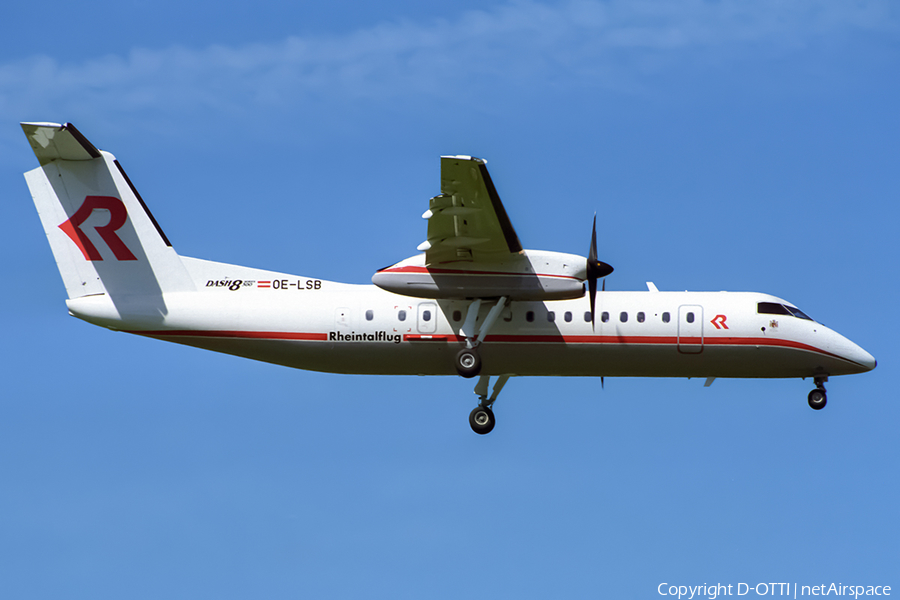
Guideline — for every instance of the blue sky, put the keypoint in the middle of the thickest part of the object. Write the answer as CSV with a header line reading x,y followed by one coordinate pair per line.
x,y
724,146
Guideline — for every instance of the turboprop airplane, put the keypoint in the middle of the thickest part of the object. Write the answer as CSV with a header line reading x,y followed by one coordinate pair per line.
x,y
474,302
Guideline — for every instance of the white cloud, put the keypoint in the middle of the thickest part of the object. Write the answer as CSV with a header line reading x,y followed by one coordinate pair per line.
x,y
580,42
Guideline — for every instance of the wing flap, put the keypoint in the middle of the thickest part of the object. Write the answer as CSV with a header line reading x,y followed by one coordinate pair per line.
x,y
467,220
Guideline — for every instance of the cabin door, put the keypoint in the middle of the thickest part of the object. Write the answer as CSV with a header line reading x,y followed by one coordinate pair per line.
x,y
690,329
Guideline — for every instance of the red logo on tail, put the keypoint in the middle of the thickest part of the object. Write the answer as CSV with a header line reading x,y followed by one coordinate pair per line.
x,y
117,217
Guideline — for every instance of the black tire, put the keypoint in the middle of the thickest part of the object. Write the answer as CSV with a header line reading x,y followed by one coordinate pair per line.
x,y
468,362
817,399
482,420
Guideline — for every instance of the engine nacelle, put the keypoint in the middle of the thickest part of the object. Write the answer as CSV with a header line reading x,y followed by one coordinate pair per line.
x,y
528,275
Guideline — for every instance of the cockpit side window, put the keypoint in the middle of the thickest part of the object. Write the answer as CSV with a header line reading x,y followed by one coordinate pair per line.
x,y
773,308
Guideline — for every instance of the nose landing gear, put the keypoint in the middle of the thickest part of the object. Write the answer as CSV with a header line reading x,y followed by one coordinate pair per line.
x,y
818,398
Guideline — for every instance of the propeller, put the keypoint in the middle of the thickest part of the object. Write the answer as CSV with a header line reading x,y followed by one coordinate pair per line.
x,y
596,269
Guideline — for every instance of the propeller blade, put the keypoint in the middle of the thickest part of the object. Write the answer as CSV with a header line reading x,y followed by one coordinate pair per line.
x,y
596,269
592,291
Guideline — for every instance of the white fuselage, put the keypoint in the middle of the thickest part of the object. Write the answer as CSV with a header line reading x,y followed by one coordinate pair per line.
x,y
320,325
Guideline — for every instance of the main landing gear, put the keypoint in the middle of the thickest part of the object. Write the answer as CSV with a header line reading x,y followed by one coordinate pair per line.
x,y
468,360
482,417
818,398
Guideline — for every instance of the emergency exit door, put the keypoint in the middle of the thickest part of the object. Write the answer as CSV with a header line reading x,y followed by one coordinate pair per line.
x,y
427,317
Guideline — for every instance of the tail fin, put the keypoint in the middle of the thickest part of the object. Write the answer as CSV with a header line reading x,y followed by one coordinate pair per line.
x,y
103,237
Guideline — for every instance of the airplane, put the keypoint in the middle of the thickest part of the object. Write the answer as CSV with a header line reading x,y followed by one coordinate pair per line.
x,y
473,302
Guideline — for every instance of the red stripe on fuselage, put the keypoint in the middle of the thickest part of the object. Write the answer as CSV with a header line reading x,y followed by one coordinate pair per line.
x,y
255,335
626,340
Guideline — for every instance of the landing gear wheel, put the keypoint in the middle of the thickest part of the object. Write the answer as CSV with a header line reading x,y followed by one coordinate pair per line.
x,y
482,420
468,363
817,399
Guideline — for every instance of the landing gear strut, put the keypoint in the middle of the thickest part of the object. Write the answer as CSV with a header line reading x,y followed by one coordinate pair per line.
x,y
481,418
468,360
818,398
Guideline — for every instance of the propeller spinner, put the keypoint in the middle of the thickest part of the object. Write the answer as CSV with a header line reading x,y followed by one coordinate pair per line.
x,y
596,269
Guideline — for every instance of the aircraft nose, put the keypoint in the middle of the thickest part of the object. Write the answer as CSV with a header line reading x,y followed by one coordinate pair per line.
x,y
865,360
853,357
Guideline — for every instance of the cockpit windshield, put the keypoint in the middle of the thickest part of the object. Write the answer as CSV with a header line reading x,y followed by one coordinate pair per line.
x,y
773,308
798,313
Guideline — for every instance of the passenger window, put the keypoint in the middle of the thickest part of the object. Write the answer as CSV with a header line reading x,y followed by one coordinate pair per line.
x,y
529,316
369,315
401,314
623,316
587,316
640,317
604,317
457,316
426,315
551,316
690,317
666,317
568,316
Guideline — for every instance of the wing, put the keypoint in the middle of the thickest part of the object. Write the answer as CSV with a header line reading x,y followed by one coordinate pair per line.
x,y
467,221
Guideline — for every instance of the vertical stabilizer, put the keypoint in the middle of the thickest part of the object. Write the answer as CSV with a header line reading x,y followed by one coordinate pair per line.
x,y
103,237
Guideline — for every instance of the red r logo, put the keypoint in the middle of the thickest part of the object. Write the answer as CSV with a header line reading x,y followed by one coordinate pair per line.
x,y
118,214
719,320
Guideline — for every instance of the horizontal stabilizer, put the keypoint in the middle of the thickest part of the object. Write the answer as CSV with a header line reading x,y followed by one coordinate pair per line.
x,y
51,141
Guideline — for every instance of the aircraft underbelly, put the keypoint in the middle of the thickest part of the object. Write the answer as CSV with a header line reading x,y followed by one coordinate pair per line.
x,y
524,359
